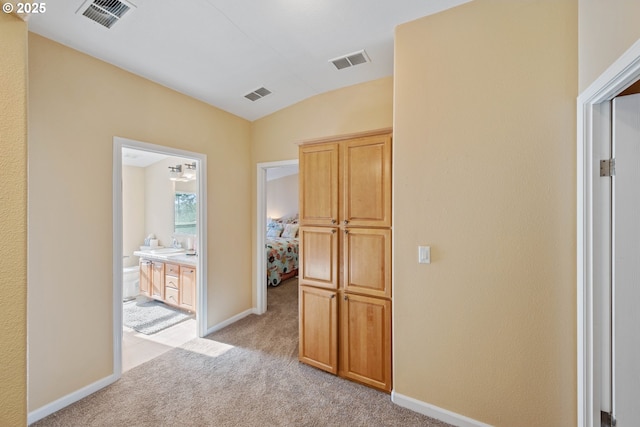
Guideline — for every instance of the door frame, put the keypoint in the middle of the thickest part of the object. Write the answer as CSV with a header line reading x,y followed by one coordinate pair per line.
x,y
593,230
201,289
261,230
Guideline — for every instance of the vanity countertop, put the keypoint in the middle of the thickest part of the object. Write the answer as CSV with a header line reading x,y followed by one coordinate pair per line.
x,y
178,258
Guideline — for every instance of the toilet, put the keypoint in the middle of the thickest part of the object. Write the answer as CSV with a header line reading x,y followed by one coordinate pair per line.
x,y
130,282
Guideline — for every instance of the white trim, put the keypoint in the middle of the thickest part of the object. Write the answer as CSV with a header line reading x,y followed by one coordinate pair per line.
x,y
230,320
434,411
261,215
70,398
590,142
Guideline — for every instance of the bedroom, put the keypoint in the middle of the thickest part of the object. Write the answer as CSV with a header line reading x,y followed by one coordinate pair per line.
x,y
281,244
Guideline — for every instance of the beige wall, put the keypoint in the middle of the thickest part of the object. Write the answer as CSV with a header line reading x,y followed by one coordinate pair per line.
x,y
282,197
77,104
352,109
607,30
132,212
484,139
13,226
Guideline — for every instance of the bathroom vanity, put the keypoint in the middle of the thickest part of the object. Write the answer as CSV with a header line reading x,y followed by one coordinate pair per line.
x,y
171,279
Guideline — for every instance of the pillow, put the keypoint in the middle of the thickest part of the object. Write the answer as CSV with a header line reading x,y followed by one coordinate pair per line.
x,y
290,230
274,229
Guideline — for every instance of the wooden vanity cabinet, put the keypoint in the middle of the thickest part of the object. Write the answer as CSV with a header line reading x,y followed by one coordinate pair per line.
x,y
188,287
171,283
157,280
152,278
145,277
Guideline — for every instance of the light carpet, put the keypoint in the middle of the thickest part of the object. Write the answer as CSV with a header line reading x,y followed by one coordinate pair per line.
x,y
247,374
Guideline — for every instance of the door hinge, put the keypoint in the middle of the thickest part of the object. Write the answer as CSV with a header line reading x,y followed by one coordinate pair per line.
x,y
607,419
608,167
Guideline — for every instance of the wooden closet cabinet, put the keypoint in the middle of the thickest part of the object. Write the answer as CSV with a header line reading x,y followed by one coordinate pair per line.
x,y
345,257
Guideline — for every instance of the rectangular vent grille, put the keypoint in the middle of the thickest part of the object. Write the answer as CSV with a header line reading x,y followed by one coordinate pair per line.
x,y
350,60
105,12
257,94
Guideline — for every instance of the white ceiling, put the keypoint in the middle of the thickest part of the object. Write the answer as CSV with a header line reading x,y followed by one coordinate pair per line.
x,y
219,50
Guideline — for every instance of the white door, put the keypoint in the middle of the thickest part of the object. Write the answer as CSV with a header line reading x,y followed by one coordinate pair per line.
x,y
626,261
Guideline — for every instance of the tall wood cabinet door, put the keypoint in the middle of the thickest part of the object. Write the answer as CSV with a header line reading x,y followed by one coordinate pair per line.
x,y
157,280
367,261
145,277
367,181
188,287
318,184
318,323
365,347
318,257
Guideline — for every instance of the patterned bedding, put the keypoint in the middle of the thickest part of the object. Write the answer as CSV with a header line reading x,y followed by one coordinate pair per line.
x,y
282,259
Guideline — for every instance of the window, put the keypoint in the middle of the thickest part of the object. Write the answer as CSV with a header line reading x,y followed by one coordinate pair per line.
x,y
186,213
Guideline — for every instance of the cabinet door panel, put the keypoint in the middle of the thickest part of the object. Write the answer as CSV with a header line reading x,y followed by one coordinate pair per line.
x,y
157,281
188,288
365,348
145,277
318,257
318,323
367,261
319,184
367,181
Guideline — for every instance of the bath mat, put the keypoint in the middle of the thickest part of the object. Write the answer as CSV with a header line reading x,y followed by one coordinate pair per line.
x,y
149,317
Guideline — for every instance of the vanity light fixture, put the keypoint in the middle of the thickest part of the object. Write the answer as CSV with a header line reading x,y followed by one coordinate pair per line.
x,y
190,171
178,173
175,173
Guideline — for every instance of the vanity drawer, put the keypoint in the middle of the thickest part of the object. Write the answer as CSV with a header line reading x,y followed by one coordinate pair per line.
x,y
171,296
171,282
172,269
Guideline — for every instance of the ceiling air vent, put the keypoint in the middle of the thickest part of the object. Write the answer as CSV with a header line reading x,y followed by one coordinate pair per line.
x,y
105,12
350,60
257,94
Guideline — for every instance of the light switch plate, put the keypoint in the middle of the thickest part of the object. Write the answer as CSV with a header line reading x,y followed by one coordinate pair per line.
x,y
424,254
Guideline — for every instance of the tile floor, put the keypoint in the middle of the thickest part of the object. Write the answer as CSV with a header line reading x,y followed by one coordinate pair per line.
x,y
138,348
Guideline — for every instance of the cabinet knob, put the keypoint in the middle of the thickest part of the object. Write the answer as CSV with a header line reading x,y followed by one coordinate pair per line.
x,y
333,231
346,298
333,221
333,296
346,231
345,222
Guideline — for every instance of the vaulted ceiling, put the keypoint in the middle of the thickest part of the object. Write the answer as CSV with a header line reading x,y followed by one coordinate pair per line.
x,y
218,51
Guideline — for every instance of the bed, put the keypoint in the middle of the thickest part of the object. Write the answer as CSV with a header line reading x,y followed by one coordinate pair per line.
x,y
281,251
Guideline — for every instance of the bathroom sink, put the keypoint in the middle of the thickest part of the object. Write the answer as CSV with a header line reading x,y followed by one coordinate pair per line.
x,y
166,251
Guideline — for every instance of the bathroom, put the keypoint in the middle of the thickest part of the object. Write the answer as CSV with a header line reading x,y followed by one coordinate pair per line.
x,y
148,206
152,190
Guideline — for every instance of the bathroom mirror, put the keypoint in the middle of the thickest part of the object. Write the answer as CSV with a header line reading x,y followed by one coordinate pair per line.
x,y
186,210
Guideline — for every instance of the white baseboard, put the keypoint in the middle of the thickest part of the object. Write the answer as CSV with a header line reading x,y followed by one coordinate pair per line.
x,y
434,412
67,400
229,321
70,398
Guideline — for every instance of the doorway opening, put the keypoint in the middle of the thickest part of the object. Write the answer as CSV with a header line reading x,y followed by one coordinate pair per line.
x,y
159,252
594,269
266,172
